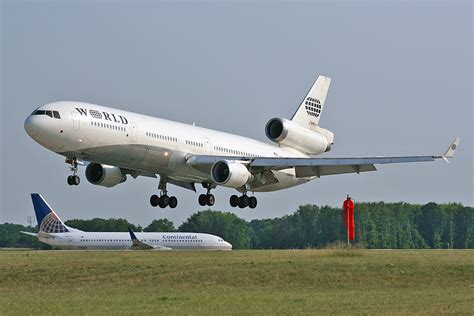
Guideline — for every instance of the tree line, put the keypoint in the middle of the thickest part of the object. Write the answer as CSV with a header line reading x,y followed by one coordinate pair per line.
x,y
378,225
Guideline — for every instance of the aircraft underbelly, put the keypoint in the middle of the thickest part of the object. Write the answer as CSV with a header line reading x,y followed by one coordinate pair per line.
x,y
163,161
151,159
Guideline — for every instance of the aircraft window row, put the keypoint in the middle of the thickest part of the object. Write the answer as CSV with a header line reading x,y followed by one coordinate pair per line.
x,y
197,144
128,240
51,114
234,152
186,240
163,137
109,240
109,126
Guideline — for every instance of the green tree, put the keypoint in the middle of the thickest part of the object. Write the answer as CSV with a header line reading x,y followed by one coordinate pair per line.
x,y
160,225
102,225
11,236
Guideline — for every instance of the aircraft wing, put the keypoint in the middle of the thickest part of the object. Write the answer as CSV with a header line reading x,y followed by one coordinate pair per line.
x,y
308,167
140,245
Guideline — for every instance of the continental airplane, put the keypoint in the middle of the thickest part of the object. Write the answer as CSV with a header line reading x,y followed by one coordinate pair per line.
x,y
54,232
115,144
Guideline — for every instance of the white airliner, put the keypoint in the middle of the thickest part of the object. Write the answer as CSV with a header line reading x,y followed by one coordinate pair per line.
x,y
118,143
54,232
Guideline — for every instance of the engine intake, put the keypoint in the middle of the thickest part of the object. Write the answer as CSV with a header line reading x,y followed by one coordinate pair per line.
x,y
309,141
230,174
104,175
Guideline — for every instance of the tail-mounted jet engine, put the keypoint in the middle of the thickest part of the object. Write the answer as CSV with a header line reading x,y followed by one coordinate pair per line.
x,y
230,174
104,175
288,134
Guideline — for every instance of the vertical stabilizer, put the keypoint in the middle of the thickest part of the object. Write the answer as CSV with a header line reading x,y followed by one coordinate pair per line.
x,y
48,220
311,107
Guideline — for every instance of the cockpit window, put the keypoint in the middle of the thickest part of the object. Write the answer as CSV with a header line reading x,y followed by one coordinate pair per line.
x,y
49,113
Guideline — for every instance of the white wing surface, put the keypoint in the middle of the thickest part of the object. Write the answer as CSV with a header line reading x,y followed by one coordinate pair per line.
x,y
309,167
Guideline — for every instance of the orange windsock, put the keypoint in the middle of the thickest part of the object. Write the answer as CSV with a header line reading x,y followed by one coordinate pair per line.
x,y
349,206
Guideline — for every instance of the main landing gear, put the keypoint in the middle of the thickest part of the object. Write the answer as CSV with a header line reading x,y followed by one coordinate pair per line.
x,y
74,178
208,198
163,200
243,201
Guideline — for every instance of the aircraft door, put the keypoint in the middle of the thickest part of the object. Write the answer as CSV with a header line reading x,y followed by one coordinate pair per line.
x,y
75,121
133,131
207,146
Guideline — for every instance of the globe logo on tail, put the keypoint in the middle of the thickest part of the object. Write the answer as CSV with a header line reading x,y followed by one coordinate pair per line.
x,y
52,224
313,106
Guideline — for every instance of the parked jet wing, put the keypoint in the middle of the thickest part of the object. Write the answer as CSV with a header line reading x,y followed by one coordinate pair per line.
x,y
140,245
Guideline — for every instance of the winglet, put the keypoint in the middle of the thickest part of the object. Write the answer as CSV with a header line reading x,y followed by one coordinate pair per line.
x,y
451,150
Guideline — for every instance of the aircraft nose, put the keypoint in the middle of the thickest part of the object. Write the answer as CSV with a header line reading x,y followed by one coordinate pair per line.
x,y
228,245
30,126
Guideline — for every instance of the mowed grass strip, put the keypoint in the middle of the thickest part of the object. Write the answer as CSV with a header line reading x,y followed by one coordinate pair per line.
x,y
237,282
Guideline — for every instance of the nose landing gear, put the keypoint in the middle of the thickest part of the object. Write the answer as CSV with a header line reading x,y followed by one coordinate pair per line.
x,y
74,178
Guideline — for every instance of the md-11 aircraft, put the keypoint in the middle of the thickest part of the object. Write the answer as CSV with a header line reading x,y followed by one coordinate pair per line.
x,y
54,232
115,143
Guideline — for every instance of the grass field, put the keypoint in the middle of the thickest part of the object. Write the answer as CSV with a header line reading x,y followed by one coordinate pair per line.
x,y
237,282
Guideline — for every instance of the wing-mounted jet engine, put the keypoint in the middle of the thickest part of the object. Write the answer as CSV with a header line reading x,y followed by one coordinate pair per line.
x,y
104,175
229,173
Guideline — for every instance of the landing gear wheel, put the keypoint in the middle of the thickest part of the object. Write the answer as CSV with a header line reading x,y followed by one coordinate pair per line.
x,y
202,200
73,179
173,202
234,200
76,180
243,201
164,201
210,199
252,202
154,200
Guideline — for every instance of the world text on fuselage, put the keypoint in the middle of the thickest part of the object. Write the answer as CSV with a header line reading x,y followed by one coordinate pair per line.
x,y
103,115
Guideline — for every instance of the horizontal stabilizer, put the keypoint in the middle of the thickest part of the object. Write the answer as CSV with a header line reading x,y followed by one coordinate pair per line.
x,y
29,233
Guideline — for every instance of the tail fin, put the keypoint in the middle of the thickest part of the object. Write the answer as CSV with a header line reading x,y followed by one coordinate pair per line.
x,y
48,220
310,109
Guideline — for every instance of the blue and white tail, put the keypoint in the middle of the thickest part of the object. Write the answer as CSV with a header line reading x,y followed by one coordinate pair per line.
x,y
48,220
